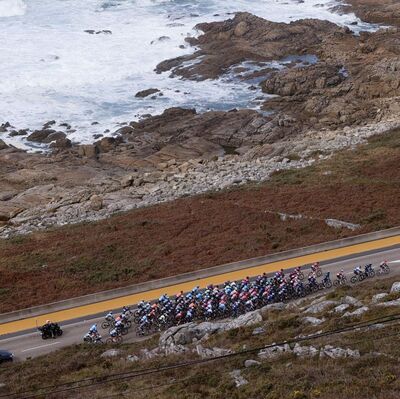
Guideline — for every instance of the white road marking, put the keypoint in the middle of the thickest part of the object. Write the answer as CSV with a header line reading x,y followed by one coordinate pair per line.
x,y
38,347
394,261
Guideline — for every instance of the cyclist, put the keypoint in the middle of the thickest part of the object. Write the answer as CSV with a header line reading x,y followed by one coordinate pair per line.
x,y
327,277
340,275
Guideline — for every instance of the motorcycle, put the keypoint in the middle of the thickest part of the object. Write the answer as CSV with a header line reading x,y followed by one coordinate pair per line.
x,y
50,331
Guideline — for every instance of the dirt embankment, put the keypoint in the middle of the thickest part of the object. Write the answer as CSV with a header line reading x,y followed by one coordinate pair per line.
x,y
360,186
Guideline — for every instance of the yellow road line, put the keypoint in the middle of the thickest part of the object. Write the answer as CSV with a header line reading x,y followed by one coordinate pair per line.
x,y
105,306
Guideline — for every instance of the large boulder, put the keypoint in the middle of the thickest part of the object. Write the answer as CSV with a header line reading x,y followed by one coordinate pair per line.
x,y
146,93
238,378
313,320
111,353
45,136
8,211
320,307
341,308
88,151
336,353
349,300
96,202
188,333
395,287
274,352
251,363
386,304
3,145
305,351
357,312
378,297
206,353
61,143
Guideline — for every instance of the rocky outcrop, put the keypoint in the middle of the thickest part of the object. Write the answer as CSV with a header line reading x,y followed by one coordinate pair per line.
x,y
3,145
395,287
57,189
111,353
353,79
378,297
146,93
238,379
349,300
336,99
274,352
46,136
247,37
341,308
382,12
357,312
251,363
313,321
188,333
320,306
207,353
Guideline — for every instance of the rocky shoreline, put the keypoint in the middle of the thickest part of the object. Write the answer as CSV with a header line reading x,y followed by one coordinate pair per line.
x,y
349,92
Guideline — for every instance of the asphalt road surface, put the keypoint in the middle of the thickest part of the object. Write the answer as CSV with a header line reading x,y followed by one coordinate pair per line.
x,y
29,344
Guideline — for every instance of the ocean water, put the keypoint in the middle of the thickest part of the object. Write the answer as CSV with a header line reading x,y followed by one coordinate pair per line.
x,y
51,69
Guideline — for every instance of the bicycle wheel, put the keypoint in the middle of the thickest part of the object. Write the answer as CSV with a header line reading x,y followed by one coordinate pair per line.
x,y
118,339
105,325
128,324
301,276
139,332
353,279
328,284
124,331
319,273
371,273
336,283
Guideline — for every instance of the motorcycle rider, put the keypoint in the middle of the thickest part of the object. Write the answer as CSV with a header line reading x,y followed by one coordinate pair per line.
x,y
50,327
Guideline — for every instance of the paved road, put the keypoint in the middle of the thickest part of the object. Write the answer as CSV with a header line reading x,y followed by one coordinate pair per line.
x,y
102,306
27,344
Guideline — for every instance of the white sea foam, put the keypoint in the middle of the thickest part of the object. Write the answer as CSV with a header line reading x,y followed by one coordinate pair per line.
x,y
52,69
12,8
